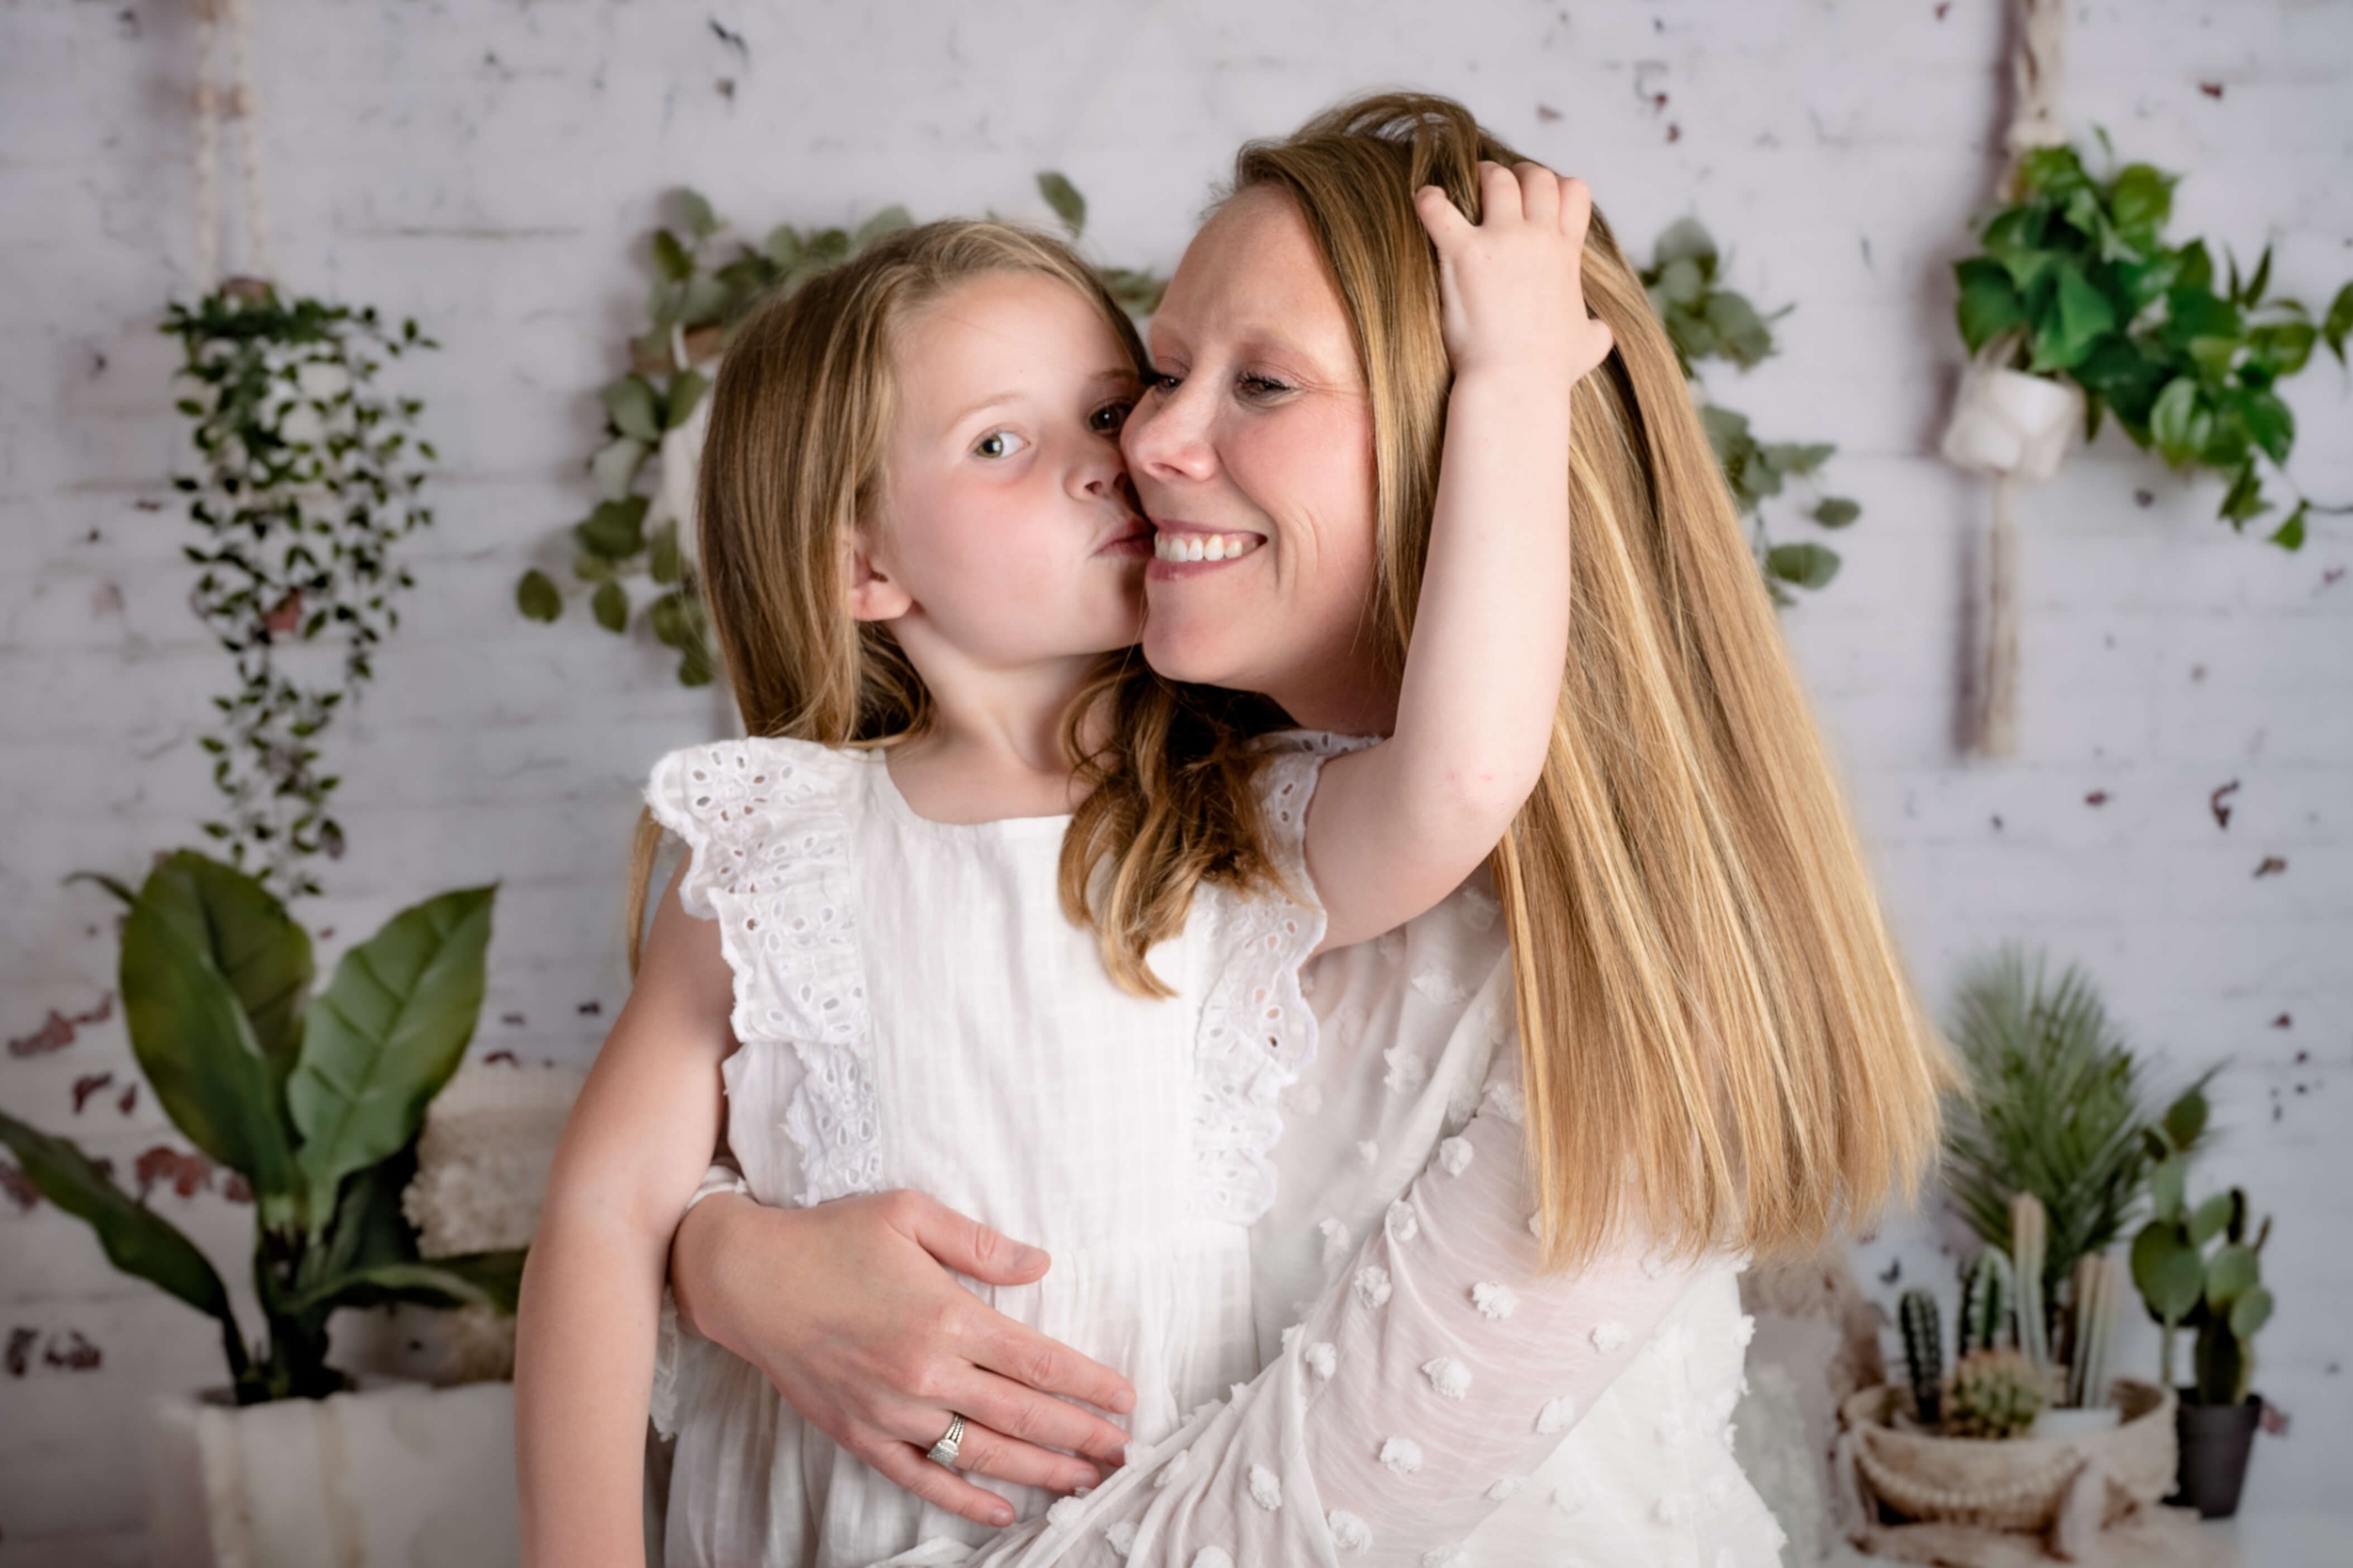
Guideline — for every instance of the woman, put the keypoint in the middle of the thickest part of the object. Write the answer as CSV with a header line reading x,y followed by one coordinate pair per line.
x,y
1717,1050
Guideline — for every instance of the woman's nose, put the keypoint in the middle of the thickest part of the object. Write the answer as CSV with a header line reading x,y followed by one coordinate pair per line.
x,y
1167,437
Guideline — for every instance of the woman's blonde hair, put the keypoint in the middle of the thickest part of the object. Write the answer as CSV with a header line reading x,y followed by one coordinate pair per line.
x,y
1719,1037
800,423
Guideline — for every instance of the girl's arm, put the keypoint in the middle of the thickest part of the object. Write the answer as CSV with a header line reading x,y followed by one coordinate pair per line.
x,y
638,1140
1396,827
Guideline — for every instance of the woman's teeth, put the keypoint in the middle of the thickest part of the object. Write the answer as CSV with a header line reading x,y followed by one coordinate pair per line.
x,y
1203,547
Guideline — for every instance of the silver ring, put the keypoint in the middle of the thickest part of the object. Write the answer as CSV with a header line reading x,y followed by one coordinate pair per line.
x,y
944,1451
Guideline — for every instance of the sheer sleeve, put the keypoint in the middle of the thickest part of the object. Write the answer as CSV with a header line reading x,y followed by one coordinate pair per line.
x,y
1439,1369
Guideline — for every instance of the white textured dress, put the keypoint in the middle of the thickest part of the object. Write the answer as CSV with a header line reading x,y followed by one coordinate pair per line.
x,y
913,1009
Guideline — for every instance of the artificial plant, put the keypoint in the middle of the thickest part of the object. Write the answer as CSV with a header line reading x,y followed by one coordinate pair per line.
x,y
310,477
704,285
2199,1268
2074,280
316,1101
1706,321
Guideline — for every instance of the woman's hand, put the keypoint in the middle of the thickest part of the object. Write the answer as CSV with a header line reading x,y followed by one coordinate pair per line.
x,y
1509,287
851,1312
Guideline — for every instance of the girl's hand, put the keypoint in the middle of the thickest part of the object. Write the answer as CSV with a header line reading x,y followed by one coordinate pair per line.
x,y
850,1311
1509,287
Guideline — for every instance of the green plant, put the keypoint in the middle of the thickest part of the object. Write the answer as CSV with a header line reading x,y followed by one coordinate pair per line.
x,y
1987,1293
2076,277
1993,1394
704,285
2091,1330
2219,1294
1706,321
316,1100
1924,1353
309,479
2055,1107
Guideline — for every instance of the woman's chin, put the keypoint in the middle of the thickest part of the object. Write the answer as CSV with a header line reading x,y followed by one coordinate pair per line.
x,y
1184,649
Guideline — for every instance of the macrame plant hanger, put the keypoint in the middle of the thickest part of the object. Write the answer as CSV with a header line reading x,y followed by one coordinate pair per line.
x,y
2015,427
243,105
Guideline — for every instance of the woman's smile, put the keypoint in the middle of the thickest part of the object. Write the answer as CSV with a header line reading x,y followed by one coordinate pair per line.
x,y
1181,550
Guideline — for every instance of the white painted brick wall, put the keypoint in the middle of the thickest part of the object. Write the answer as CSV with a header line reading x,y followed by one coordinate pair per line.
x,y
493,167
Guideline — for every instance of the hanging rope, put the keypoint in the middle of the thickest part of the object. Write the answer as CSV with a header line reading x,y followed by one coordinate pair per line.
x,y
242,103
2013,431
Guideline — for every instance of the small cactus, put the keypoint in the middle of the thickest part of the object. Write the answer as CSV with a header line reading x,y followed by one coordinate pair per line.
x,y
1985,1301
2029,1240
1924,1353
1993,1394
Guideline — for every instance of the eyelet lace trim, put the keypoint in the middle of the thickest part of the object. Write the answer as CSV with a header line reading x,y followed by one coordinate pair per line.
x,y
770,862
1257,1032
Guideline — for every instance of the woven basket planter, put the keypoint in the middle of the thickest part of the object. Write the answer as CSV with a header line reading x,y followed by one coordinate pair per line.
x,y
2015,1483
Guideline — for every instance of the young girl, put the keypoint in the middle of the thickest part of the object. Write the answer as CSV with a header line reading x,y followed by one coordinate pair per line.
x,y
925,570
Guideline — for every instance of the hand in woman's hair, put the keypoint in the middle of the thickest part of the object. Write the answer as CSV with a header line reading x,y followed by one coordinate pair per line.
x,y
1509,286
849,1310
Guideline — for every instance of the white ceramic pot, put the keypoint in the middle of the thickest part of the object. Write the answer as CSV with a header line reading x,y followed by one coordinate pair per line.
x,y
2007,422
2061,1425
396,1476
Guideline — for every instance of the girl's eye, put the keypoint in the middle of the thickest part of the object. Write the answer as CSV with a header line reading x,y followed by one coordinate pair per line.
x,y
997,444
1107,420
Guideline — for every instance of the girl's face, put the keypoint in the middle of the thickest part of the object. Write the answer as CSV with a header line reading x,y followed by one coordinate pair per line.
x,y
1005,535
1255,430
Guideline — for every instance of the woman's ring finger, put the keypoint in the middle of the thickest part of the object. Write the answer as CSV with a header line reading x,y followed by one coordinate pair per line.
x,y
944,1451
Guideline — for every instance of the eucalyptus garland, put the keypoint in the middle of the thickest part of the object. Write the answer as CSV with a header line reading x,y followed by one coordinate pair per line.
x,y
704,282
1706,321
2074,280
309,479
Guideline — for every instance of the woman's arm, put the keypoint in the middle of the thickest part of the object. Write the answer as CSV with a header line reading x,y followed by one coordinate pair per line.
x,y
850,1310
1396,827
636,1143
1439,1371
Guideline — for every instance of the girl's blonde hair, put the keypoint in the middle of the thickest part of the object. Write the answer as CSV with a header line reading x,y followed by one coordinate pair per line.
x,y
800,423
1719,1037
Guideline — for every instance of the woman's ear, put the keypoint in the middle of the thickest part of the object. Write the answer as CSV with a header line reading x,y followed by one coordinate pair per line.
x,y
874,594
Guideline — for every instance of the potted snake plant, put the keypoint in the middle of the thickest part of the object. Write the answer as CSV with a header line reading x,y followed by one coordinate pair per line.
x,y
316,1102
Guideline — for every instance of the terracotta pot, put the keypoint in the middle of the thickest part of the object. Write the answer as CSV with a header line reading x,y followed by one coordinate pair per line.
x,y
400,1475
2216,1441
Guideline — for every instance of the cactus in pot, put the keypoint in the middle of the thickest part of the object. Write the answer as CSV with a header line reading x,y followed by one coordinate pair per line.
x,y
1993,1394
1986,1291
1924,1353
2219,1294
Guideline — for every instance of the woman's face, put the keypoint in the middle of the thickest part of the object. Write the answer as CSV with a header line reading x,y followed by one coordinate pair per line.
x,y
1253,444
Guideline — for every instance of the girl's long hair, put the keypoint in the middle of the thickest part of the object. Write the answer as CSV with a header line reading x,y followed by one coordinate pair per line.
x,y
1719,1041
800,421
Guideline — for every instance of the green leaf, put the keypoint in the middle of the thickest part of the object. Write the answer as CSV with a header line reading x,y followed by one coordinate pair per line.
x,y
2167,1269
1728,431
664,560
2250,1312
634,409
537,596
615,530
2231,1271
2165,1189
671,258
889,221
2084,311
2208,1220
783,247
2142,199
686,390
249,939
1065,199
700,220
610,605
2290,534
1686,239
388,1032
2245,498
1746,341
706,302
2184,1120
1990,304
197,1046
1681,283
1807,566
1837,511
1801,457
2270,423
2172,420
2338,323
136,1240
615,465
491,1279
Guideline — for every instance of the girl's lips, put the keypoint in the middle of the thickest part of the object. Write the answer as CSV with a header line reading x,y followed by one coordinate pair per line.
x,y
1132,542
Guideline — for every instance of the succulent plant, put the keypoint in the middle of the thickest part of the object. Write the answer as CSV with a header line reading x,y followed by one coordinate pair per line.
x,y
2217,1294
1986,1293
1993,1394
1924,1353
2030,1238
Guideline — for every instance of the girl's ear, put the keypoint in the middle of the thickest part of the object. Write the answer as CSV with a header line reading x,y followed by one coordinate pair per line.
x,y
875,595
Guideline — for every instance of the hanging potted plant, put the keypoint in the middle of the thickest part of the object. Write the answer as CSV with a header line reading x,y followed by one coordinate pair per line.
x,y
315,1101
2200,1269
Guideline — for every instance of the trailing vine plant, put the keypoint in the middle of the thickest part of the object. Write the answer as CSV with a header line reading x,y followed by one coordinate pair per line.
x,y
1706,321
704,282
309,479
2075,282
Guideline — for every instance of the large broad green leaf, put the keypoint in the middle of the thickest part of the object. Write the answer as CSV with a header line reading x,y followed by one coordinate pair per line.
x,y
2167,1270
261,951
492,1279
387,1033
197,1046
137,1241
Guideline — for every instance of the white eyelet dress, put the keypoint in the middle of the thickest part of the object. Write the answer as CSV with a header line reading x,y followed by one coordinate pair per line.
x,y
914,1009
